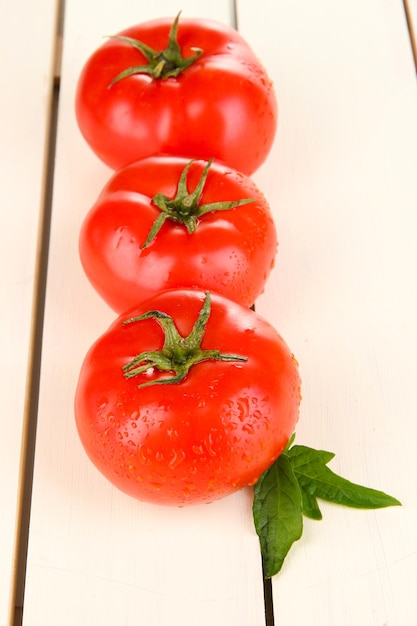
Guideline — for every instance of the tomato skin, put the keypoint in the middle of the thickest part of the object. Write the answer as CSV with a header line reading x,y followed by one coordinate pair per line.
x,y
222,106
231,252
198,440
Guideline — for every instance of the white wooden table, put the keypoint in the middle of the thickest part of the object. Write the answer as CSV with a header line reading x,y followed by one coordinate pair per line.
x,y
342,183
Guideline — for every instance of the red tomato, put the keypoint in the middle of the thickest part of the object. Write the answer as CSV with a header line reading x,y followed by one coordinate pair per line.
x,y
213,431
231,251
222,105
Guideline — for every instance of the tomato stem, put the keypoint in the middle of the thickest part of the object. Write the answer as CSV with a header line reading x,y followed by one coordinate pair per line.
x,y
161,64
184,208
178,354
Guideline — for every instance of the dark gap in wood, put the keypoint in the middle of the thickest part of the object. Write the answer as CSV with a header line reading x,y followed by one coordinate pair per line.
x,y
411,30
28,443
233,19
269,603
35,374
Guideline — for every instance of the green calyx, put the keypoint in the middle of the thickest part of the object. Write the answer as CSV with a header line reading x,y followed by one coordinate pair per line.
x,y
178,354
161,64
185,208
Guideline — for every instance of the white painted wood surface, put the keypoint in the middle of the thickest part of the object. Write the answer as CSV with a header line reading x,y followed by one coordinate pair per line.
x,y
26,52
341,180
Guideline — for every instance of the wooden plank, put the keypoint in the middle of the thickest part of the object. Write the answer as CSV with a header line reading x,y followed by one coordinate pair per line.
x,y
27,72
342,182
95,555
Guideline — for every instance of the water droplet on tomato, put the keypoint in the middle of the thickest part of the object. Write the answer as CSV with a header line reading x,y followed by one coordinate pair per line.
x,y
188,489
210,445
248,428
177,457
143,458
243,408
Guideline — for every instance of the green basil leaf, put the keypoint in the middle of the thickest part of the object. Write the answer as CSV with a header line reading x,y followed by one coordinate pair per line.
x,y
290,488
318,480
310,505
277,513
303,455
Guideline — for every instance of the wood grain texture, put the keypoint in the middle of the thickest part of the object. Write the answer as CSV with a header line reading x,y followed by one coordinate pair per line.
x,y
341,180
24,118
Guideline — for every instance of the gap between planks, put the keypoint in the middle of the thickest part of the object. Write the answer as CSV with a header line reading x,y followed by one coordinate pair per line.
x,y
29,437
32,394
412,28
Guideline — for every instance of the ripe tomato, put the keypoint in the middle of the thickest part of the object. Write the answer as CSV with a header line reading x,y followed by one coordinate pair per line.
x,y
186,398
200,92
229,251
